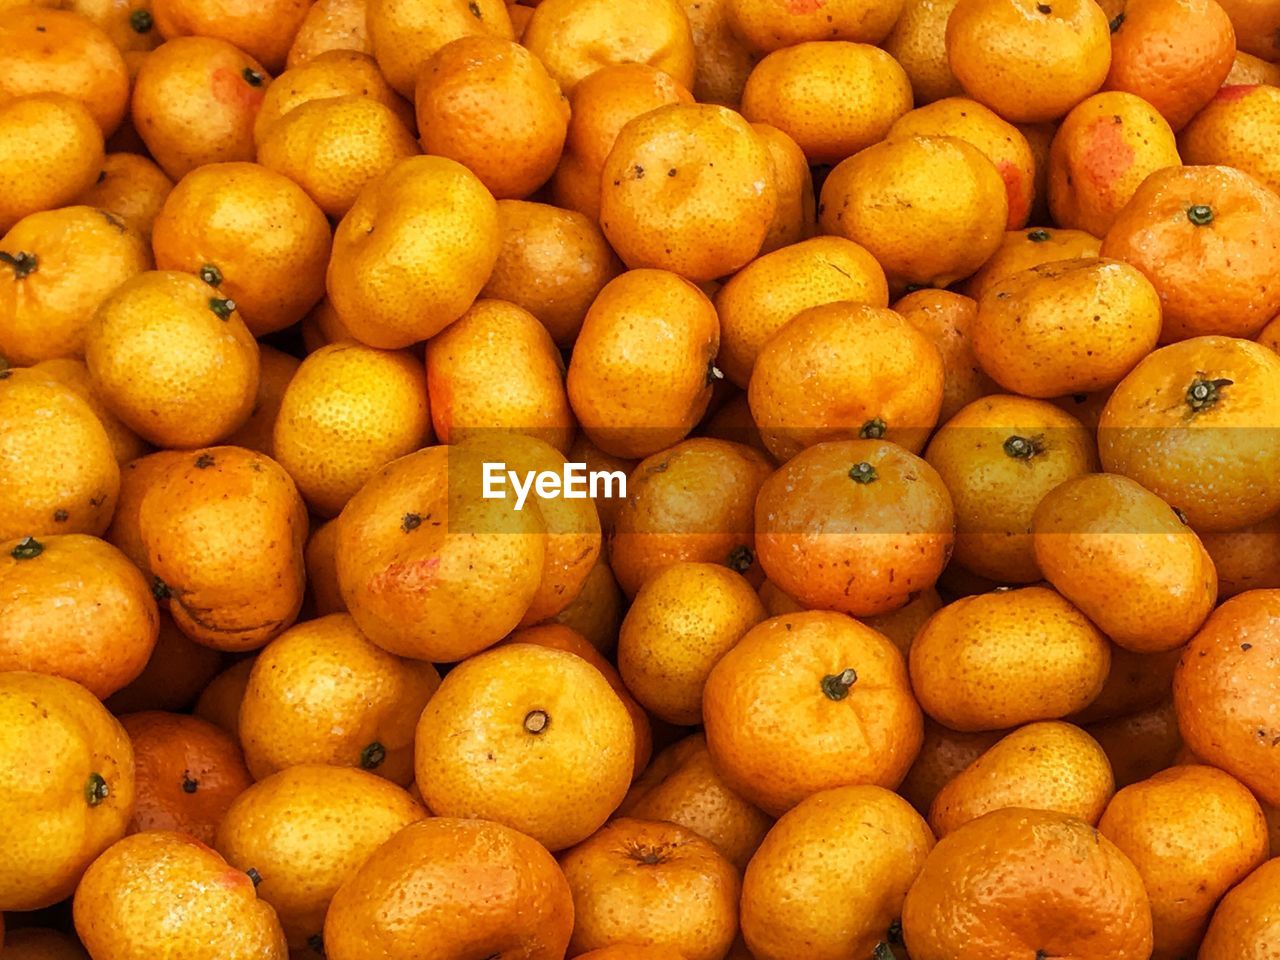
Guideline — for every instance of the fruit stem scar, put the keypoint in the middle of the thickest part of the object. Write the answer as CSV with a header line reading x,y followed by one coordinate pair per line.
x,y
252,77
211,275
1201,214
863,473
1038,236
740,558
253,874
222,307
159,589
1117,21
28,548
1203,394
24,264
410,521
536,721
141,21
1021,448
371,757
96,789
189,785
873,429
835,686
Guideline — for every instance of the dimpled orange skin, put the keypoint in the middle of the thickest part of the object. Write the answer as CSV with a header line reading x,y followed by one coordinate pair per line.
x,y
1019,881
688,188
1040,766
178,670
130,186
488,103
322,569
390,287
1248,69
349,410
682,786
50,153
1187,861
641,372
67,262
564,744
331,25
693,501
1244,924
1172,415
795,216
194,102
74,374
405,33
553,263
1136,682
760,299
722,59
56,735
1026,63
841,371
187,773
497,369
836,535
804,91
263,30
164,891
133,36
682,621
58,51
831,875
596,612
998,660
930,209
224,530
57,470
1236,129
901,625
575,38
276,370
944,754
136,478
78,610
1219,277
918,41
306,830
219,701
767,25
1246,559
1256,24
1141,744
408,897
1001,142
946,318
1023,249
639,881
1102,536
322,693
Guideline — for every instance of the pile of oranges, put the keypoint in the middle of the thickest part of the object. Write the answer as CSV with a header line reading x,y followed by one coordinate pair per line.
x,y
936,342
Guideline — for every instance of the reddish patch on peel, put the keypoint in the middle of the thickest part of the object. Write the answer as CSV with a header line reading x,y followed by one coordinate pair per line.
x,y
416,575
1019,201
229,87
1106,155
805,6
1235,91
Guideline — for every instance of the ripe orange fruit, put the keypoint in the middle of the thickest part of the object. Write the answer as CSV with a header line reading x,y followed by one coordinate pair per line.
x,y
1235,129
795,216
918,41
809,701
276,370
722,59
452,865
946,318
136,479
1243,924
1141,744
1023,249
596,612
264,31
73,373
405,33
655,884
68,775
1246,559
178,670
220,700
944,754
833,98
128,23
1248,69
1016,882
331,25
1136,682
772,24
322,569
1256,24
832,875
130,186
51,151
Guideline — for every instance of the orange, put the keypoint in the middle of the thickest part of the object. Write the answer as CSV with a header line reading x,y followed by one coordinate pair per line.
x,y
1207,399
137,478
575,38
596,612
688,188
654,884
582,450
307,829
1256,24
1104,149
130,186
131,895
1235,130
998,660
772,24
67,774
833,98
187,773
1000,142
722,59
946,319
276,370
1026,60
806,702
832,875
1040,140
1017,882
930,209
1243,925
1222,691
855,525
74,606
262,30
1023,249
61,264
322,326
405,33
322,569
449,868
194,102
220,700
178,670
944,754
1249,69
126,444
1247,558
50,151
1136,682
1141,744
795,216
331,25
128,23
918,41
58,51
902,625
732,421
842,371
322,693
392,287
1208,238
1187,860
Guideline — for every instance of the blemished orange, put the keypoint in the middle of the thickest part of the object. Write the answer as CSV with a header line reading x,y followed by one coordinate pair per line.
x,y
1243,925
688,188
187,772
722,59
194,102
944,754
832,874
809,701
931,210
56,267
857,526
918,41
804,91
1017,882
997,660
772,24
1235,130
1023,249
795,215
51,151
478,888
575,38
1187,860
946,318
413,252
331,25
68,775
263,30
130,186
640,881
1029,61
1247,558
